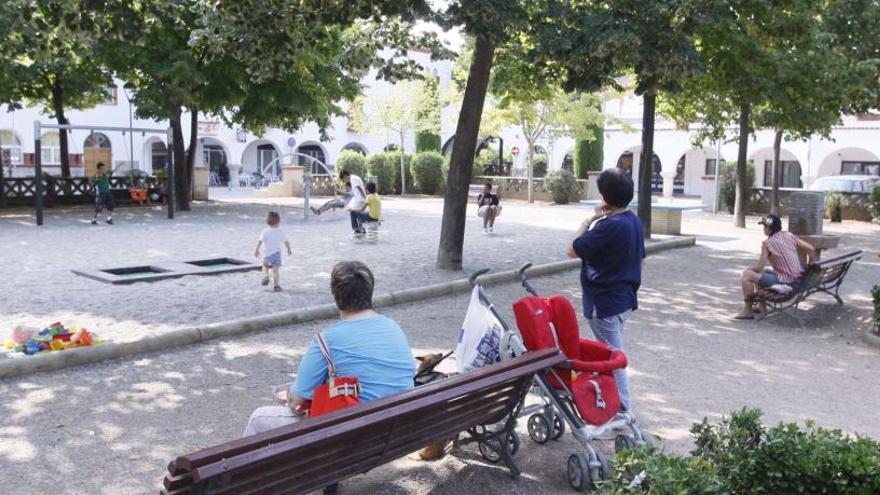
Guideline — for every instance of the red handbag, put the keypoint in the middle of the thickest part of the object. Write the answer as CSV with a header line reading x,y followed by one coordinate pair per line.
x,y
339,392
596,397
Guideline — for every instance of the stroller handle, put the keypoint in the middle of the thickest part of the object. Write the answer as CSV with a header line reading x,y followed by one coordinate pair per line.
x,y
473,278
521,275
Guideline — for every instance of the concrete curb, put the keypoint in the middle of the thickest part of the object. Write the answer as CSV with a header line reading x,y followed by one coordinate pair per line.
x,y
191,335
871,338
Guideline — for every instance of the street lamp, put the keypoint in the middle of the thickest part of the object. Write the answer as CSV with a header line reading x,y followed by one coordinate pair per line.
x,y
125,88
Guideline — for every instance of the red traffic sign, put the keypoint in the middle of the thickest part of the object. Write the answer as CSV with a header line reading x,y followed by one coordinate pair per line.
x,y
515,150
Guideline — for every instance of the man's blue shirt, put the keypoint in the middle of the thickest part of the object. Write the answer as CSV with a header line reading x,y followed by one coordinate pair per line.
x,y
611,270
375,350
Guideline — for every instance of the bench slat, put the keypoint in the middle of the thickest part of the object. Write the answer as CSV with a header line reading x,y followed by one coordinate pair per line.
x,y
430,405
308,455
533,362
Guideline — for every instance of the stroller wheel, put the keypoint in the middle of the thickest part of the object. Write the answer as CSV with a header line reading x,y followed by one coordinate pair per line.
x,y
623,442
579,472
598,473
493,456
539,428
558,427
650,439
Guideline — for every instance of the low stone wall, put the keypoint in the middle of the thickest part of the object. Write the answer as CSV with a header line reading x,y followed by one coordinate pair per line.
x,y
517,188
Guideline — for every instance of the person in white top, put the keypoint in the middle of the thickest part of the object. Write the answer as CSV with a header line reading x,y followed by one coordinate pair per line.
x,y
272,239
358,197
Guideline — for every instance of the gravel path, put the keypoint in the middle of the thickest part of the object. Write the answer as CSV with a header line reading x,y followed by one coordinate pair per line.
x,y
112,427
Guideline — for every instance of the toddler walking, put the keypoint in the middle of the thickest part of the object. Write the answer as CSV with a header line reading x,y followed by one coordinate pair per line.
x,y
271,239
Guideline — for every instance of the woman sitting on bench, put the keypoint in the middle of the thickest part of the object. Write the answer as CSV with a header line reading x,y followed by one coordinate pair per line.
x,y
363,344
780,250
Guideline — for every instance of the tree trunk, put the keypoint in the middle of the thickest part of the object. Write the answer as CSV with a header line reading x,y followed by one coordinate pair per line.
x,y
646,165
777,173
58,107
530,170
741,202
192,149
181,185
461,166
402,167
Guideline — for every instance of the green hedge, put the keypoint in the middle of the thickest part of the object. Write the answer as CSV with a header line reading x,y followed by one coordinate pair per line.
x,y
539,166
589,155
386,167
427,171
875,295
427,141
352,161
739,455
562,185
727,188
874,204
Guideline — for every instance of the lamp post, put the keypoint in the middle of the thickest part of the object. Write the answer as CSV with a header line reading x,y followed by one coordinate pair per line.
x,y
125,88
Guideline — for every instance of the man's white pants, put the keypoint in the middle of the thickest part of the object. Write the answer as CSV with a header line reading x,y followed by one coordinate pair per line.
x,y
269,417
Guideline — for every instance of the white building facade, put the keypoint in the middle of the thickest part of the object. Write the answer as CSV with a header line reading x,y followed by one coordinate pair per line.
x,y
683,168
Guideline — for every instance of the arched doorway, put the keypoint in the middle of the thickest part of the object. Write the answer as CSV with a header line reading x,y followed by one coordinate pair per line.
x,y
257,156
540,161
356,147
315,151
10,146
155,154
568,161
626,162
96,148
214,156
446,150
790,173
850,161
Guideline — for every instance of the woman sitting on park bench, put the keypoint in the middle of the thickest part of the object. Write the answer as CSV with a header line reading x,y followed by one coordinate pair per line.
x,y
363,344
780,250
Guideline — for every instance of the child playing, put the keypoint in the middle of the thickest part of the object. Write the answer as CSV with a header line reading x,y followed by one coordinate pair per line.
x,y
370,212
271,239
103,196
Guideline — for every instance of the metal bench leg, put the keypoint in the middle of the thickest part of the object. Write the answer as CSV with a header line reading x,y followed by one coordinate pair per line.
x,y
331,489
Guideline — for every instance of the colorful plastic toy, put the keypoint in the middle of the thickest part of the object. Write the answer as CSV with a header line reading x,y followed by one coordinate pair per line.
x,y
55,337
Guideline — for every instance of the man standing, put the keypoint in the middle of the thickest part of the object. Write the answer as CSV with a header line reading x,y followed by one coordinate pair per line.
x,y
611,246
780,250
358,198
103,197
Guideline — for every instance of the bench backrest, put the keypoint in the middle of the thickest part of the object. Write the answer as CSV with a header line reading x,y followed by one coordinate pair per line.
x,y
834,268
312,454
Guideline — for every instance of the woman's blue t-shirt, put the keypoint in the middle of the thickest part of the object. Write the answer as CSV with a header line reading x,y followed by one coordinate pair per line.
x,y
611,269
375,350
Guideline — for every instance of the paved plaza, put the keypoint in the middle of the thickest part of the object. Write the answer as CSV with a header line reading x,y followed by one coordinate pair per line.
x,y
112,427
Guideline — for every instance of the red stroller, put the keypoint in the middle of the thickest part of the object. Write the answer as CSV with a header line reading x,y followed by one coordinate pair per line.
x,y
583,394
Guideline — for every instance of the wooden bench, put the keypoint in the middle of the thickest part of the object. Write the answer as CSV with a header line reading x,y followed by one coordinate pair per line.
x,y
321,452
824,276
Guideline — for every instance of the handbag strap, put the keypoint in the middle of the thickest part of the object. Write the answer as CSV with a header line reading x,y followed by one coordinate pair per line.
x,y
331,367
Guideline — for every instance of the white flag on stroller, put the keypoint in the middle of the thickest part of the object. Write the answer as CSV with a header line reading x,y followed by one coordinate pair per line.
x,y
479,341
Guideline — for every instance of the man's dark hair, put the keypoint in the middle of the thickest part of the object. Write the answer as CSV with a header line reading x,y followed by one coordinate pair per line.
x,y
489,185
773,222
371,187
615,187
100,165
344,174
351,283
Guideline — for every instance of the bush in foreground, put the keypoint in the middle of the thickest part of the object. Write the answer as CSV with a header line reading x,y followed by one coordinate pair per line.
x,y
739,455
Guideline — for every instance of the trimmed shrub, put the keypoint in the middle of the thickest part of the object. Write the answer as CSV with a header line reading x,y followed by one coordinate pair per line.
x,y
562,185
740,455
834,203
394,157
427,141
486,161
539,166
588,155
352,161
427,171
874,204
727,188
379,165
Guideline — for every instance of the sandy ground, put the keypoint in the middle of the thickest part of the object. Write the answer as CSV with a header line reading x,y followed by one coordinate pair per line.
x,y
112,427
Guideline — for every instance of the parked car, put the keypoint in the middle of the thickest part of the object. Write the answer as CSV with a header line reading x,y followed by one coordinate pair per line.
x,y
846,183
